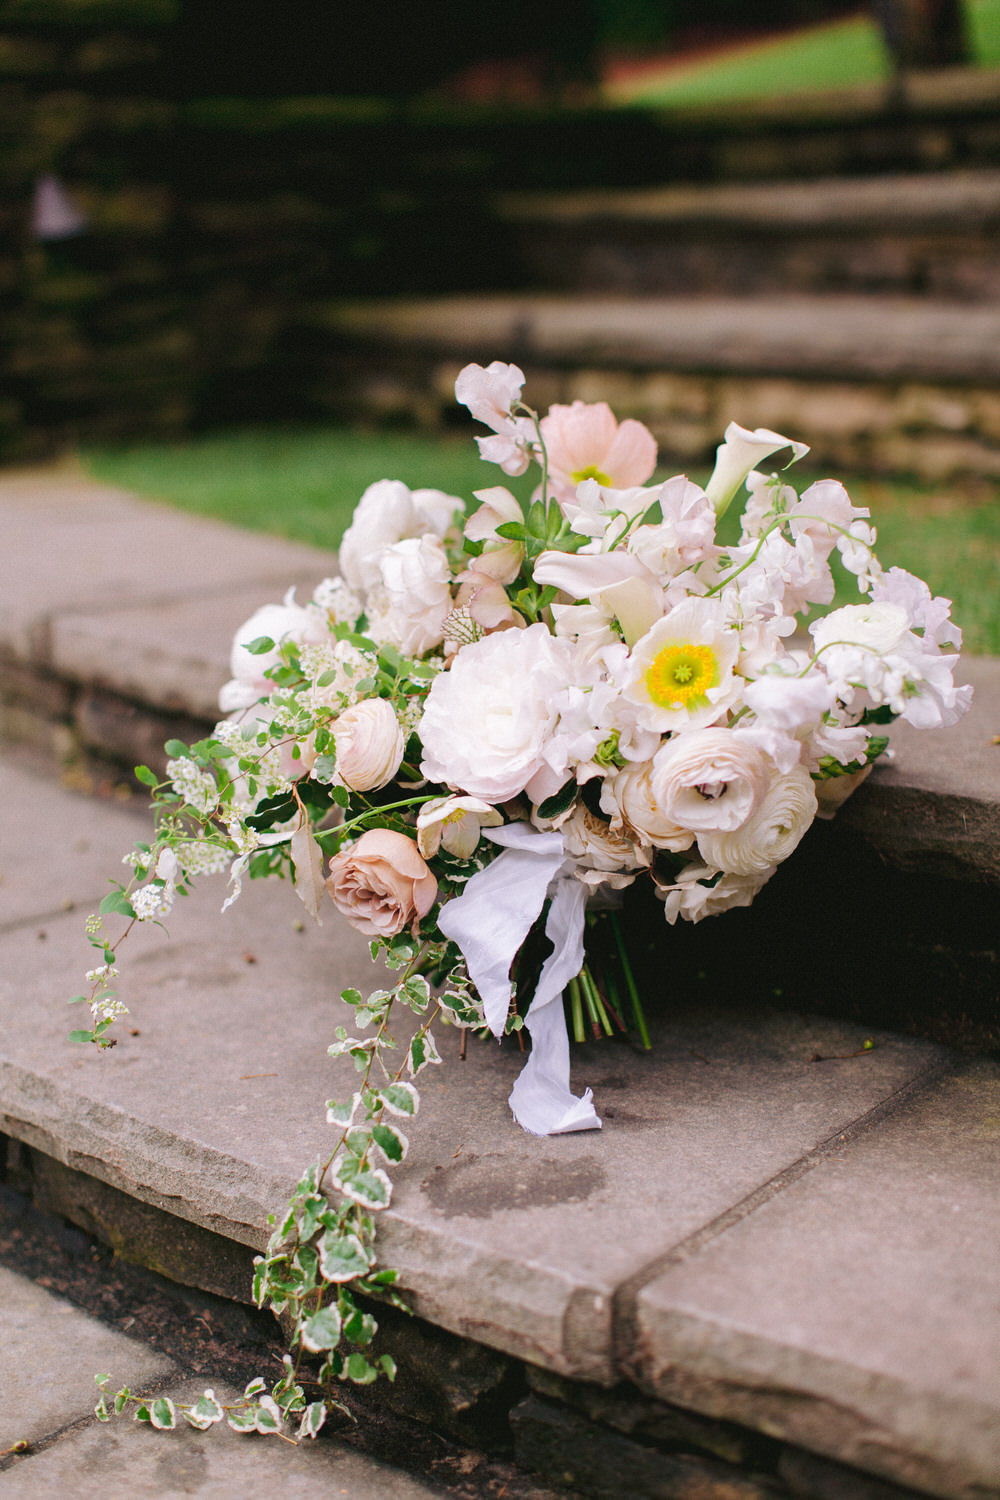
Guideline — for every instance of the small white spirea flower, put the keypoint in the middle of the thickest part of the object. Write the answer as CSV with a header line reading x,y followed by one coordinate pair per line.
x,y
680,674
195,786
102,975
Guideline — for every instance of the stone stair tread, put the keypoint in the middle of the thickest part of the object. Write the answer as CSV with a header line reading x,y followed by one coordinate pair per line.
x,y
895,200
843,336
727,1145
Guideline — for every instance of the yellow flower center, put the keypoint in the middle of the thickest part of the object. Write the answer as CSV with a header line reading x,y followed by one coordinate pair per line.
x,y
679,675
590,472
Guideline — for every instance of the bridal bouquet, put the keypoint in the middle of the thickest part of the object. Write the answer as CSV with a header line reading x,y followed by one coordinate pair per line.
x,y
497,719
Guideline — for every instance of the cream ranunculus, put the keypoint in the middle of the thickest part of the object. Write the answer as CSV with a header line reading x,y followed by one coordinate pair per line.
x,y
455,824
488,720
771,834
381,884
630,802
710,780
875,627
369,745
280,622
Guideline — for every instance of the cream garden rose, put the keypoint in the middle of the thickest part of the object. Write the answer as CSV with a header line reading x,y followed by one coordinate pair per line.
x,y
381,883
369,745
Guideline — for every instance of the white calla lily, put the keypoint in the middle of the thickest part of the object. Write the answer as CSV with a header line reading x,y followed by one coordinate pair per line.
x,y
739,454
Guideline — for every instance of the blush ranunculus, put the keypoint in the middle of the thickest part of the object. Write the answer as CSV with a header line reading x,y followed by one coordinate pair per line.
x,y
381,883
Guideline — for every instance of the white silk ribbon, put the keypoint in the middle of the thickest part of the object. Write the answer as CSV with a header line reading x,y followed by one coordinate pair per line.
x,y
489,921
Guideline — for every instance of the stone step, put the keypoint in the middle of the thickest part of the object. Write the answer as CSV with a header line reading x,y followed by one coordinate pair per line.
x,y
879,384
931,235
773,1272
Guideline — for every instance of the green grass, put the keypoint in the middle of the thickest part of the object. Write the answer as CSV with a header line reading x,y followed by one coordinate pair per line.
x,y
839,54
304,484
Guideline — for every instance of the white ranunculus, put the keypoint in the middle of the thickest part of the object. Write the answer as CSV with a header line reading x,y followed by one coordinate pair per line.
x,y
874,627
710,780
770,834
488,720
680,674
629,800
369,745
417,579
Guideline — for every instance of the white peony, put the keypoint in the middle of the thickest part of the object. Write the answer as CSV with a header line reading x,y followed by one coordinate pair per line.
x,y
389,512
770,834
710,780
488,720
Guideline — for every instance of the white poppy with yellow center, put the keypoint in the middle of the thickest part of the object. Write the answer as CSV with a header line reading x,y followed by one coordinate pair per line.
x,y
680,674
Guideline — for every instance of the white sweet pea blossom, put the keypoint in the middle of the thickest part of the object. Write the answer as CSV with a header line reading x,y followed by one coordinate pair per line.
x,y
927,615
490,395
770,834
680,673
454,823
741,452
500,559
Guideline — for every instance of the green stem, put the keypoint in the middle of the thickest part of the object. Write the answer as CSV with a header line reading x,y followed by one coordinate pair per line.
x,y
595,1004
576,1009
630,984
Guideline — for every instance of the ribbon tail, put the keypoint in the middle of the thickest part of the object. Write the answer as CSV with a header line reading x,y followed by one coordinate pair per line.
x,y
541,1100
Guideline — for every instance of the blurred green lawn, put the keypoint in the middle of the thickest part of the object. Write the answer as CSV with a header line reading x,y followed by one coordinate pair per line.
x,y
838,54
303,483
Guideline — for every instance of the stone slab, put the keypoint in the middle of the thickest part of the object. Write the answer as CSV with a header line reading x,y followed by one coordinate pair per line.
x,y
174,655
123,1459
212,1103
43,1389
72,546
858,1312
61,860
905,200
828,337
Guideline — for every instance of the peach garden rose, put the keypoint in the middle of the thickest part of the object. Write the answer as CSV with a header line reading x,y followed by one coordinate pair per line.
x,y
381,883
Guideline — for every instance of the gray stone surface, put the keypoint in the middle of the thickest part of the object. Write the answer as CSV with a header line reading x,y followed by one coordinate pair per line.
x,y
828,337
59,860
214,1107
856,1313
74,548
50,1354
124,1459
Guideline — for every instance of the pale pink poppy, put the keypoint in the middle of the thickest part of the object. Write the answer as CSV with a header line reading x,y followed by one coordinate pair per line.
x,y
586,441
